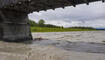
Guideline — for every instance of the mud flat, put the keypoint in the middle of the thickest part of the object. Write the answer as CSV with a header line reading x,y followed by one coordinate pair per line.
x,y
88,45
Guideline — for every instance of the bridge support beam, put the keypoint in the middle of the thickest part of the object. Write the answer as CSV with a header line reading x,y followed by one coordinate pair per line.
x,y
14,26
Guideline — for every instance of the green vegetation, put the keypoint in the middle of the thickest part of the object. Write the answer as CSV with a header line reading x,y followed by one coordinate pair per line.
x,y
33,23
42,27
41,23
47,29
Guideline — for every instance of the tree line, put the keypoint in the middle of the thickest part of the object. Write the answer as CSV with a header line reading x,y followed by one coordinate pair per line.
x,y
41,23
81,27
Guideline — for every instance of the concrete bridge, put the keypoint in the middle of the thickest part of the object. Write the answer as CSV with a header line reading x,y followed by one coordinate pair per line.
x,y
14,24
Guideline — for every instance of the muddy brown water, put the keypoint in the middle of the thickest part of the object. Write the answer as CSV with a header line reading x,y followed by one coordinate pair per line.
x,y
81,41
87,47
57,46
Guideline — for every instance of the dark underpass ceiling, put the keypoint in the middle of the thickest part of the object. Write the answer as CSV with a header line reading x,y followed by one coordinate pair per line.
x,y
29,6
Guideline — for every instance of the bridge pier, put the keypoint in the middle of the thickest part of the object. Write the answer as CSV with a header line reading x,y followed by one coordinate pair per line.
x,y
14,26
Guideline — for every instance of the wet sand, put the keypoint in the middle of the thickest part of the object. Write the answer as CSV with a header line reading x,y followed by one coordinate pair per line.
x,y
88,45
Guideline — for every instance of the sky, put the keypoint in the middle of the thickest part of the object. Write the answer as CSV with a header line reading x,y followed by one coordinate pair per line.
x,y
92,15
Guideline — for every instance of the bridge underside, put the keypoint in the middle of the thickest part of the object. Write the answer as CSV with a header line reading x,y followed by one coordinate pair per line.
x,y
14,26
29,6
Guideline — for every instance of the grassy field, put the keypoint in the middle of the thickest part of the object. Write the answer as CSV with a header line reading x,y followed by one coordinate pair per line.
x,y
46,29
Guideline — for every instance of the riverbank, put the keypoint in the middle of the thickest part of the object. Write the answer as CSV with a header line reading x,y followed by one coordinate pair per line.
x,y
47,29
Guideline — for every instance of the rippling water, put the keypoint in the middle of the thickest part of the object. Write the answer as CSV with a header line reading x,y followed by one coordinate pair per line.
x,y
88,45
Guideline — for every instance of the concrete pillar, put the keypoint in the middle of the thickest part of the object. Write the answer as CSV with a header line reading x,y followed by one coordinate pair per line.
x,y
14,26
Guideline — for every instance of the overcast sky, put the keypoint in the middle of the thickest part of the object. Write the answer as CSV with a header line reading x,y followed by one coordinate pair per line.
x,y
82,15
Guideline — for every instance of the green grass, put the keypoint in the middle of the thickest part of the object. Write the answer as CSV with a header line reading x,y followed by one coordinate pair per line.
x,y
46,29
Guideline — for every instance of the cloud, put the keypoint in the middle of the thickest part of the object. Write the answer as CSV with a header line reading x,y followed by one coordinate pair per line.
x,y
82,15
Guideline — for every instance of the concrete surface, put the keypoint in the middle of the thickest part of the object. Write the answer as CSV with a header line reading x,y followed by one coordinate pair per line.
x,y
14,25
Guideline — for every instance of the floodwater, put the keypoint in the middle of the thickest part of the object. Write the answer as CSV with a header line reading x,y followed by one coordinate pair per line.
x,y
79,36
75,46
81,45
85,41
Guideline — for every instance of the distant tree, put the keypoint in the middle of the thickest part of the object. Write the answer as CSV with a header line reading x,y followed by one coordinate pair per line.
x,y
41,23
33,23
52,26
62,27
79,27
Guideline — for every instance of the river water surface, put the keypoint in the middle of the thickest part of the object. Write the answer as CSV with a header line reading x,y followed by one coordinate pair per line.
x,y
81,45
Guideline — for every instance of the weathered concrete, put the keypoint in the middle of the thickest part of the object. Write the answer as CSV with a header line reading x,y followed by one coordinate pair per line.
x,y
14,25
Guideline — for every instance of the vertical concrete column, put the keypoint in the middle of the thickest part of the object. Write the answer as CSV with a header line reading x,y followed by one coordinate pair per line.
x,y
14,26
